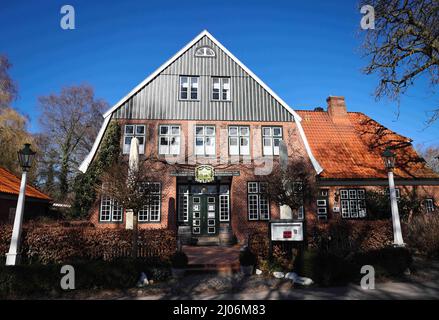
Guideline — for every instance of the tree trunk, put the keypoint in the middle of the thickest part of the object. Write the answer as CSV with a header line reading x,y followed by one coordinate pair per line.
x,y
135,237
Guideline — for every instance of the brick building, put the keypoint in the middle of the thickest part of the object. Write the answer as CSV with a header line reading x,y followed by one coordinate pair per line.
x,y
223,126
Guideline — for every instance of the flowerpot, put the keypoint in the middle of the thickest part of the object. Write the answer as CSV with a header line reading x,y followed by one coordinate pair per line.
x,y
247,270
178,272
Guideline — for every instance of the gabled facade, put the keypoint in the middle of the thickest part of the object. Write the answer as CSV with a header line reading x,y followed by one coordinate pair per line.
x,y
215,124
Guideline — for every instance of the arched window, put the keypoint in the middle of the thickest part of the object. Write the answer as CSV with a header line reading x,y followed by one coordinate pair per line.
x,y
205,52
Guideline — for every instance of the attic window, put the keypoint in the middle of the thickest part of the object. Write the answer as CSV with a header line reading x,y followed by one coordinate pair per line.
x,y
205,52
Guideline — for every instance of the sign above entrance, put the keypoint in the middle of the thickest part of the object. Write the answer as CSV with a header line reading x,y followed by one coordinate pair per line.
x,y
217,173
204,174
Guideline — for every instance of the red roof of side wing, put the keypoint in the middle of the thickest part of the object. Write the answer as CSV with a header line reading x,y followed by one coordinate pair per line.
x,y
9,183
352,149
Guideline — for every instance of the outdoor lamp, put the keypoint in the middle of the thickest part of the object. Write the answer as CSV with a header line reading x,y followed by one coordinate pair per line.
x,y
26,157
389,161
389,158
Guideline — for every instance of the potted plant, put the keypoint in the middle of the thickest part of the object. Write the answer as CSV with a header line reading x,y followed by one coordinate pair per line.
x,y
247,261
179,263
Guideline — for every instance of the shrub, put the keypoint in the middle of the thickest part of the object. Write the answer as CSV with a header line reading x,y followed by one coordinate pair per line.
x,y
344,236
389,261
324,268
179,260
247,258
423,234
52,244
329,269
42,280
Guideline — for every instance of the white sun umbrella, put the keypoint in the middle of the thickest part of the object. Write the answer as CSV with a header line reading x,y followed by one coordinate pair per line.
x,y
134,155
133,166
285,211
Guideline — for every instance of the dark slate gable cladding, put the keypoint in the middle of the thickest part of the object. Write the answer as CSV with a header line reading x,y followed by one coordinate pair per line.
x,y
159,98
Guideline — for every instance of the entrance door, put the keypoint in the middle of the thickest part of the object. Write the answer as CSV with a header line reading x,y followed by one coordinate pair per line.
x,y
204,214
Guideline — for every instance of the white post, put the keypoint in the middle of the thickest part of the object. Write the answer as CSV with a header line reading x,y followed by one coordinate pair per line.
x,y
13,256
397,234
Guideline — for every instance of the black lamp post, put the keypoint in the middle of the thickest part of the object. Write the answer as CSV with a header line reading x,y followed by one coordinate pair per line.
x,y
389,162
25,157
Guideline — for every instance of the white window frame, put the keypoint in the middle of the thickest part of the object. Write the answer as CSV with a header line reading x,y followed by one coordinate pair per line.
x,y
240,136
224,207
170,149
429,204
353,203
223,89
112,209
129,135
206,150
254,197
190,88
268,136
144,215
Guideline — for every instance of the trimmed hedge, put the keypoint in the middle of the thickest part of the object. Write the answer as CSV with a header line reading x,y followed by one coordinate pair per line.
x,y
39,281
47,244
328,269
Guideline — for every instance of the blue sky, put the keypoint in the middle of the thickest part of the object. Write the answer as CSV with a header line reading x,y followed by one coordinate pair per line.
x,y
303,51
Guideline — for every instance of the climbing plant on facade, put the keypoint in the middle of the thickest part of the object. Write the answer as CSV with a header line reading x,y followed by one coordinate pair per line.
x,y
85,183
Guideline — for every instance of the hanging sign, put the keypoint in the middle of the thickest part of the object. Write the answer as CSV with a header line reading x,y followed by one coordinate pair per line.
x,y
204,174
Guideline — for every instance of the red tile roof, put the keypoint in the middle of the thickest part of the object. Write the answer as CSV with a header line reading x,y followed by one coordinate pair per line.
x,y
352,149
10,184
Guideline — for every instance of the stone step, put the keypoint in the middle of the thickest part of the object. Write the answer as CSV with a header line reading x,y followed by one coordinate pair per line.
x,y
208,241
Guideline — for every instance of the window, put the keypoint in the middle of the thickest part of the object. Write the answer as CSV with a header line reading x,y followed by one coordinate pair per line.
x,y
258,204
221,89
130,132
188,88
205,140
322,205
271,137
110,211
239,140
204,52
224,204
169,139
151,211
429,205
353,203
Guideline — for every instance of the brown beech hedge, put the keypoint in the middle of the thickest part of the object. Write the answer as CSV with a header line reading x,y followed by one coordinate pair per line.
x,y
55,243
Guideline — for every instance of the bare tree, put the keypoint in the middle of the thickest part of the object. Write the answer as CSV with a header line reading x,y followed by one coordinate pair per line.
x,y
294,185
8,88
132,189
403,46
71,121
430,155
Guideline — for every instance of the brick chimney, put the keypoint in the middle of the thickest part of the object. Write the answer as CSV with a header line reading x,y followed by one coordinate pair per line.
x,y
337,109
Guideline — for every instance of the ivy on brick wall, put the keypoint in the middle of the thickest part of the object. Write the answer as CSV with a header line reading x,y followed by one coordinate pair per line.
x,y
85,183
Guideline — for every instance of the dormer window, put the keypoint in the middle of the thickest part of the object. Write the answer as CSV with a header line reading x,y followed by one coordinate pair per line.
x,y
205,52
